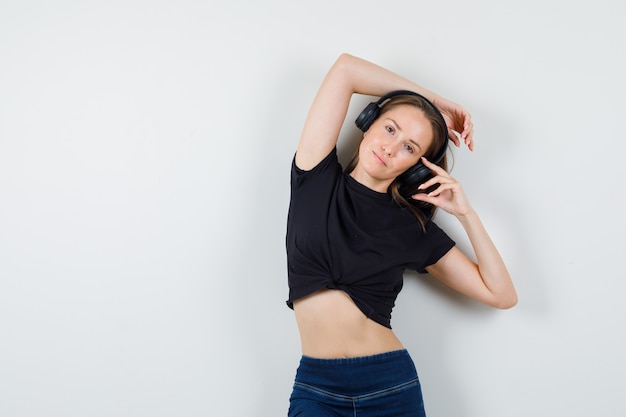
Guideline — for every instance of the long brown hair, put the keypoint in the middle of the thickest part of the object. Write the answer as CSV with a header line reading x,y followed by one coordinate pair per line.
x,y
422,211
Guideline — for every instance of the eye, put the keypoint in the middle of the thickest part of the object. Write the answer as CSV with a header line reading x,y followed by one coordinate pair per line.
x,y
409,147
390,129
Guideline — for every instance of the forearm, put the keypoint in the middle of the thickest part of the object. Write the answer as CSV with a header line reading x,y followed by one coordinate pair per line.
x,y
357,75
491,267
370,79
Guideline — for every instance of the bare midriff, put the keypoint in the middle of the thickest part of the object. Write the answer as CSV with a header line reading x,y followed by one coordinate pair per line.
x,y
332,326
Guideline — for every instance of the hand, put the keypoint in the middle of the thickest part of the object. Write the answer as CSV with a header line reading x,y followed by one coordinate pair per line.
x,y
449,196
458,120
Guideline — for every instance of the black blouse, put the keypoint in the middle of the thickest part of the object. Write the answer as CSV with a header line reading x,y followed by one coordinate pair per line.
x,y
343,235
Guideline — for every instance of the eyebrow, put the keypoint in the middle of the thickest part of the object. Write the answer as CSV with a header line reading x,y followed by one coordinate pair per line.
x,y
400,129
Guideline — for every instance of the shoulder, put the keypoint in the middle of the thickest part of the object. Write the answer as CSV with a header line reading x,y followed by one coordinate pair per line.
x,y
329,162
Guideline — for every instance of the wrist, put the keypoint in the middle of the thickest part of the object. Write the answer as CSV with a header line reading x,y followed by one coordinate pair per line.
x,y
433,97
467,216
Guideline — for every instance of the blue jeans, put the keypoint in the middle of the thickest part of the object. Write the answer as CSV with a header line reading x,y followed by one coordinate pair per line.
x,y
382,385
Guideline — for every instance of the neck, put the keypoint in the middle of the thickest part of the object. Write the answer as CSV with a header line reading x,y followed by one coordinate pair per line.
x,y
372,183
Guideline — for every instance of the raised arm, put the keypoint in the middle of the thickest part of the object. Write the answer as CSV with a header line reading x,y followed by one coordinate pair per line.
x,y
350,75
486,280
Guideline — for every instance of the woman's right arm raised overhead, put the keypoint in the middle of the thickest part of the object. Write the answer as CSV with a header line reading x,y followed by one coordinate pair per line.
x,y
350,75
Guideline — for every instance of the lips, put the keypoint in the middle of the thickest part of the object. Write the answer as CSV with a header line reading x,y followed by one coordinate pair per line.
x,y
379,159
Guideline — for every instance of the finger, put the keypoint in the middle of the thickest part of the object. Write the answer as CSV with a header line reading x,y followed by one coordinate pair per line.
x,y
454,136
468,133
441,189
425,198
434,184
467,129
433,167
427,185
467,122
470,142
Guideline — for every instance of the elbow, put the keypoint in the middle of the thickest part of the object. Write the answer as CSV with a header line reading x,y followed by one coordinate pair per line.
x,y
504,303
342,64
344,56
343,60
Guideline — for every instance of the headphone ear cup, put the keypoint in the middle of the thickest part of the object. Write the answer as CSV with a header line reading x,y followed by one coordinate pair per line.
x,y
412,178
367,116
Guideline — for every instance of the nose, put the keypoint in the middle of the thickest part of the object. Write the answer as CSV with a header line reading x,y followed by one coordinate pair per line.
x,y
387,148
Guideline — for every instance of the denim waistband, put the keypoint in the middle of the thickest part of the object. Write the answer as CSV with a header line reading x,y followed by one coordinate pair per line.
x,y
358,375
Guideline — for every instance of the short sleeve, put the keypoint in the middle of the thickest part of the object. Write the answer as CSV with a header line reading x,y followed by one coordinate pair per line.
x,y
330,164
439,242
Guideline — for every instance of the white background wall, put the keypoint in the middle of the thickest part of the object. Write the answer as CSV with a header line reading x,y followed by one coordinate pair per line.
x,y
145,149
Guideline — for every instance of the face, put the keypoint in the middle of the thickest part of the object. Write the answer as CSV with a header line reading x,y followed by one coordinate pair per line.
x,y
392,144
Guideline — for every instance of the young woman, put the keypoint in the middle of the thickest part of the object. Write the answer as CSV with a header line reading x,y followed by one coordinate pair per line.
x,y
351,234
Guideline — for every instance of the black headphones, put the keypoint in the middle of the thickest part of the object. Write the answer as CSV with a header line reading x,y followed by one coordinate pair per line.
x,y
413,177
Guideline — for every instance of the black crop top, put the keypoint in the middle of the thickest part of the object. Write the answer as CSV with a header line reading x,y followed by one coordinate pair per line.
x,y
343,235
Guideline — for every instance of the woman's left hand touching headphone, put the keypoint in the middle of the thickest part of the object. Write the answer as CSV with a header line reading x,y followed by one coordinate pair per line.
x,y
449,196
